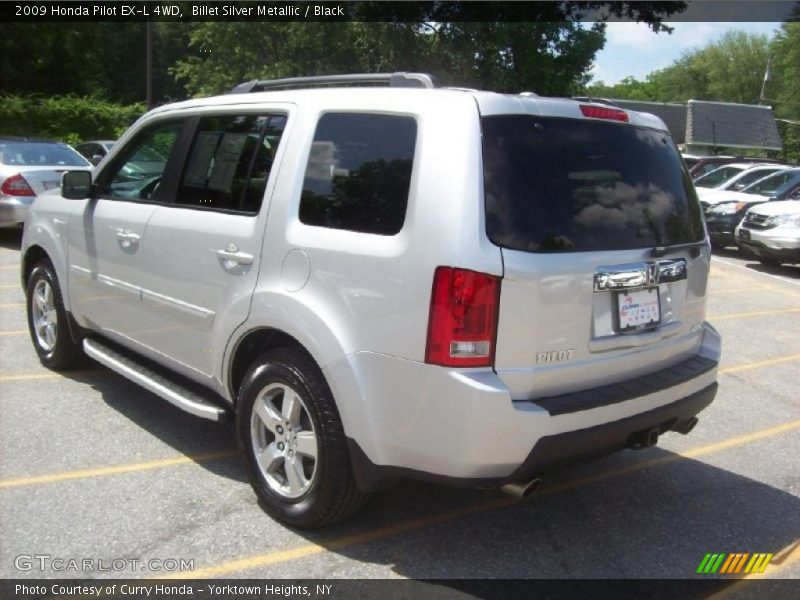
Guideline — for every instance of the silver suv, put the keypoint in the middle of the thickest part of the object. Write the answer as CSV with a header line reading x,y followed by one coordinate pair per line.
x,y
388,280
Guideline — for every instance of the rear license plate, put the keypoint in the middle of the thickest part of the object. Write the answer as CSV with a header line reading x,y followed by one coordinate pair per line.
x,y
744,234
638,309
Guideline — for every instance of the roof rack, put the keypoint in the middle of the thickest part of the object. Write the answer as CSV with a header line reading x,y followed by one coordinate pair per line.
x,y
399,79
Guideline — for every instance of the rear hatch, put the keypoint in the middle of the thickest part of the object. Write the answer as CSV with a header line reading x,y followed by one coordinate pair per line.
x,y
604,252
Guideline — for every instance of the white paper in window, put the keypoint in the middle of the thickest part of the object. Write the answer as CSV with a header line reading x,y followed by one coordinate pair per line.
x,y
199,165
227,159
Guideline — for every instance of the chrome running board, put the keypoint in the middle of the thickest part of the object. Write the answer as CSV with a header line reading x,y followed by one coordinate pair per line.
x,y
160,386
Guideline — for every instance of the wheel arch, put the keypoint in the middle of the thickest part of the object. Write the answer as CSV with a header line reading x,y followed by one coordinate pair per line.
x,y
32,256
252,344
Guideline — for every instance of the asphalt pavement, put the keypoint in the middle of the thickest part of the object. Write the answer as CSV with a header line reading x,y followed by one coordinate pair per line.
x,y
94,467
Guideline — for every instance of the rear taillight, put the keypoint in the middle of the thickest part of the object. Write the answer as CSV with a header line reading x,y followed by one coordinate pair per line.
x,y
462,323
601,112
17,186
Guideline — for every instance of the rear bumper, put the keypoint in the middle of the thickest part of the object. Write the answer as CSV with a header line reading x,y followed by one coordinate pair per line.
x,y
406,420
13,209
556,451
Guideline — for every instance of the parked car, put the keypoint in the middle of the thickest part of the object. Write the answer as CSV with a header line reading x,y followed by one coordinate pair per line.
x,y
776,186
708,163
750,174
720,176
95,151
378,286
729,208
771,232
28,167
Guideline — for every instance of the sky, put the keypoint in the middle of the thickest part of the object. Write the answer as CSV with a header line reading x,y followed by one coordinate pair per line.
x,y
632,49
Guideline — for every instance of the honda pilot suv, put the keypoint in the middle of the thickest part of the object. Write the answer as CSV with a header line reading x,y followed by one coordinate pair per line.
x,y
381,279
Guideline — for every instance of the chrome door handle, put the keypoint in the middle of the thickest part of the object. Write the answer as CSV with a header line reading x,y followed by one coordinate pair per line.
x,y
128,238
231,256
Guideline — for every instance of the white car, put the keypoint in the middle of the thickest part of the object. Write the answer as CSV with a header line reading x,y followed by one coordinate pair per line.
x,y
29,167
771,231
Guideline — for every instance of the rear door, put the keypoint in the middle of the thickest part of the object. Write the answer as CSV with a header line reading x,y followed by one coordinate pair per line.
x,y
201,253
605,264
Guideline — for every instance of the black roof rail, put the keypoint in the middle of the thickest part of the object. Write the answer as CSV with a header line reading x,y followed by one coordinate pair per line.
x,y
399,79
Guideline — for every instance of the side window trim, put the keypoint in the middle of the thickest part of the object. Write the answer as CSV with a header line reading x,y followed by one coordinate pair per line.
x,y
167,192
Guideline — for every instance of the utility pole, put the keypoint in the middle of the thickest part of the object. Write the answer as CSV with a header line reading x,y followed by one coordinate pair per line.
x,y
149,64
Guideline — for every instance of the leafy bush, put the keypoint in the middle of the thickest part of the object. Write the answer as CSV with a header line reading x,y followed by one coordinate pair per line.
x,y
68,118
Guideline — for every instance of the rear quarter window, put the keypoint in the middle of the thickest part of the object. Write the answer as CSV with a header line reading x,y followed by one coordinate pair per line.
x,y
359,173
567,185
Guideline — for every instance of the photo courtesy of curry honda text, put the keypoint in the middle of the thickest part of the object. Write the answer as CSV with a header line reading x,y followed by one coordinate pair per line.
x,y
383,279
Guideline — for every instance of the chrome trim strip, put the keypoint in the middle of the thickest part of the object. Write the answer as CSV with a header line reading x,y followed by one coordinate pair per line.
x,y
192,309
636,275
81,270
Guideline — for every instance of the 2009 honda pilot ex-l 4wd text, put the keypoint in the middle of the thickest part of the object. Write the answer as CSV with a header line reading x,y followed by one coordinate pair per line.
x,y
387,281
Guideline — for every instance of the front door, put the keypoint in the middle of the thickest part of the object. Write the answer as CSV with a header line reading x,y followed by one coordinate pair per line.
x,y
107,237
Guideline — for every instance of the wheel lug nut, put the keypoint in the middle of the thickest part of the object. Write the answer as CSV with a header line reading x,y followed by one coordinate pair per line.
x,y
281,446
279,429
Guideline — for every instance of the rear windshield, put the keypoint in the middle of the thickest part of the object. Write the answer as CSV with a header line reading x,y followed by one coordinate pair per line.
x,y
30,154
561,185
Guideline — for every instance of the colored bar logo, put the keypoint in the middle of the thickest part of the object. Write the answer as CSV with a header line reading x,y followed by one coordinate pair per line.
x,y
733,563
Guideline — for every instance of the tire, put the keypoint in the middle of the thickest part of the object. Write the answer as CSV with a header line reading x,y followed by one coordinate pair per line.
x,y
770,262
48,320
293,441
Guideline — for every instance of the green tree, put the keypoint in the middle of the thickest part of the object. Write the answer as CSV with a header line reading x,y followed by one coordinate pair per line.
x,y
729,70
783,88
105,60
537,46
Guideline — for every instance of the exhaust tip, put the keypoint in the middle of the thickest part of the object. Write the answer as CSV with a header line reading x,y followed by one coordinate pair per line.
x,y
686,427
521,489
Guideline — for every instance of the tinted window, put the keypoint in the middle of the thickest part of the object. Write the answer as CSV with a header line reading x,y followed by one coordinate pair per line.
x,y
359,173
230,161
136,172
557,185
31,154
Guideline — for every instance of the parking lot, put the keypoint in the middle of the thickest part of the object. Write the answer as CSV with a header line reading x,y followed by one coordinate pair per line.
x,y
91,466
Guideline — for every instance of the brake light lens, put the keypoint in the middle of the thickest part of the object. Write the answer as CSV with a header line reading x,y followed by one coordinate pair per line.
x,y
602,112
462,323
17,186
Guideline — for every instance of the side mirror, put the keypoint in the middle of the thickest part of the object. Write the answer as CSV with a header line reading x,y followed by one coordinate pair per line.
x,y
76,185
96,158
